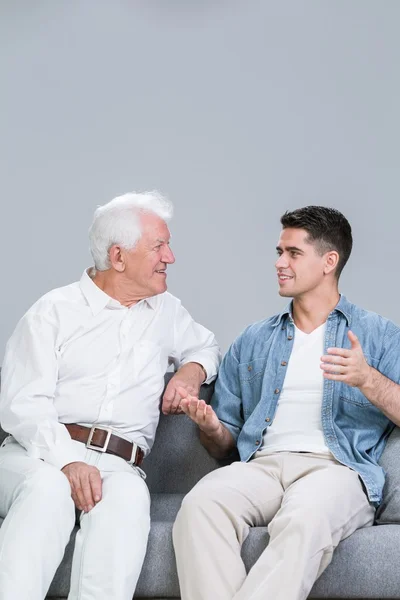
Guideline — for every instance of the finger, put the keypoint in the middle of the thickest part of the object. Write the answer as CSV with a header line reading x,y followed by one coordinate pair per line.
x,y
201,410
79,495
184,405
175,403
353,340
335,359
87,491
193,406
339,352
335,377
327,368
185,393
76,501
168,397
96,485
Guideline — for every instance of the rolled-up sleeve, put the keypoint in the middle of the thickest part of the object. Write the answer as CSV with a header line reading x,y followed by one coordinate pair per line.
x,y
29,378
195,343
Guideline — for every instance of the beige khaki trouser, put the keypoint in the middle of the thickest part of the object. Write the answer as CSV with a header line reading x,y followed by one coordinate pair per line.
x,y
309,502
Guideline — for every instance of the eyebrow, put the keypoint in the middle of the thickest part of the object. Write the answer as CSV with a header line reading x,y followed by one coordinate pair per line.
x,y
290,249
160,241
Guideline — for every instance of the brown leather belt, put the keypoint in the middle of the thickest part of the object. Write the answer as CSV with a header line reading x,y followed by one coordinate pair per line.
x,y
103,440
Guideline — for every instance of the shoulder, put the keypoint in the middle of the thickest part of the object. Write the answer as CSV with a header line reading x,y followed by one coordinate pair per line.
x,y
372,321
47,305
255,335
165,302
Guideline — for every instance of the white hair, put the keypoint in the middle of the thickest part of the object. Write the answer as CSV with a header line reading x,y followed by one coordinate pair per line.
x,y
118,222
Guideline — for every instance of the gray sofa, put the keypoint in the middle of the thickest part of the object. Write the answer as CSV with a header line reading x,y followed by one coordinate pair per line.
x,y
366,565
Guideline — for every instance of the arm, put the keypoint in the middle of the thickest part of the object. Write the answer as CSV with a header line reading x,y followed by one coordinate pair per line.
x,y
27,411
29,379
382,392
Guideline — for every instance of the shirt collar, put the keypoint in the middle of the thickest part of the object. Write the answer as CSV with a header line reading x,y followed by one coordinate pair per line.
x,y
97,299
343,306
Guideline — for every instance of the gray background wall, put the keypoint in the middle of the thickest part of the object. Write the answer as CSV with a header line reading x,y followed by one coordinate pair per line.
x,y
237,110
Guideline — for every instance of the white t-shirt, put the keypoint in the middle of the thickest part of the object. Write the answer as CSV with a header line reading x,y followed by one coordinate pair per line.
x,y
297,424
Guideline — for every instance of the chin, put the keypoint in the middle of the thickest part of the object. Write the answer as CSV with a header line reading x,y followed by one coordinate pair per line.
x,y
285,294
161,290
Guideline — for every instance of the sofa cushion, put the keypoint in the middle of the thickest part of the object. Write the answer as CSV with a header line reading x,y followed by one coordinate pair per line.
x,y
164,507
363,565
389,510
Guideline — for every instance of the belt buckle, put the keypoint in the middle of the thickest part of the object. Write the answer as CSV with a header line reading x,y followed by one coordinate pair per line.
x,y
91,434
133,455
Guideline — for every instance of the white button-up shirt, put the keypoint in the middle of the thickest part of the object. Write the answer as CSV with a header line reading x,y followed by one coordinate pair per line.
x,y
79,356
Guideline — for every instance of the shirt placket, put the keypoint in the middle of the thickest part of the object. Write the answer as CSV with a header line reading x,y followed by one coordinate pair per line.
x,y
272,393
114,377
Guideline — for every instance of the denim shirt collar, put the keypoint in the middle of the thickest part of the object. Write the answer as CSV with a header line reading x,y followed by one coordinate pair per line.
x,y
343,306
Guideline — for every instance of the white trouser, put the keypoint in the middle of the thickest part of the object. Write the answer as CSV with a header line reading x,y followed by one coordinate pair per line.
x,y
309,503
35,500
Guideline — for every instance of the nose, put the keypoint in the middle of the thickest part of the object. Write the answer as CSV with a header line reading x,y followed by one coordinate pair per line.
x,y
168,256
281,262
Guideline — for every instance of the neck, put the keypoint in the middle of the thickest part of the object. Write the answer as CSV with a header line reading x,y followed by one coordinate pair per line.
x,y
116,286
312,310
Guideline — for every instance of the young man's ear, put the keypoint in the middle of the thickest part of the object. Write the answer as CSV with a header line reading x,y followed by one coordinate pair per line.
x,y
331,261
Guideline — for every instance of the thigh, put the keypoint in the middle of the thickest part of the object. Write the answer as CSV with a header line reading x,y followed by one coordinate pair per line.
x,y
330,493
125,499
249,491
21,474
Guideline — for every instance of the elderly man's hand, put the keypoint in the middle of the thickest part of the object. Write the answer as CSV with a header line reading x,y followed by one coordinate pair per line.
x,y
189,377
85,482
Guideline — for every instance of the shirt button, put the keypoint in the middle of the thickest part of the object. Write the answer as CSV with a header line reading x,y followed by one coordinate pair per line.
x,y
257,442
268,419
277,391
283,363
249,368
289,337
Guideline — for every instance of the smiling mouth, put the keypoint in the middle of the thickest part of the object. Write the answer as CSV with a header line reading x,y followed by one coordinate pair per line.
x,y
282,277
162,272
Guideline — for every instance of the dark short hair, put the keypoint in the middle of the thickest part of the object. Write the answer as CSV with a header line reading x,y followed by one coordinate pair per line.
x,y
327,228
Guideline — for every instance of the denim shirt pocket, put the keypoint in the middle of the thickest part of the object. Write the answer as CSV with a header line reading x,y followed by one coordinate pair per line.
x,y
249,371
353,394
251,375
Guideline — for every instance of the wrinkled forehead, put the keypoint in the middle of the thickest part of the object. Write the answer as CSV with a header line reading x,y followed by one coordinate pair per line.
x,y
154,228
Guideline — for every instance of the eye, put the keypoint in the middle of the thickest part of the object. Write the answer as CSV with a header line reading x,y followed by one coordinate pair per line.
x,y
158,247
293,253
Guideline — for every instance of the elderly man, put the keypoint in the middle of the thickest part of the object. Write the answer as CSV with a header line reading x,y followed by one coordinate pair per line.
x,y
308,397
81,384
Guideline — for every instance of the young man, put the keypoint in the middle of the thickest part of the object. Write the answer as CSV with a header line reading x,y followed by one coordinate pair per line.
x,y
308,397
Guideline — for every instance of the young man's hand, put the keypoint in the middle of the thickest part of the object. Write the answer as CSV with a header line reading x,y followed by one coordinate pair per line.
x,y
200,412
347,365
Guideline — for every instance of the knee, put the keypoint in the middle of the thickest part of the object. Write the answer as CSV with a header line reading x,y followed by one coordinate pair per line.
x,y
50,485
50,490
201,500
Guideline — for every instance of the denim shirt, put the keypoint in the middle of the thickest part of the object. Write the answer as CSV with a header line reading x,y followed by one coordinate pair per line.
x,y
251,378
